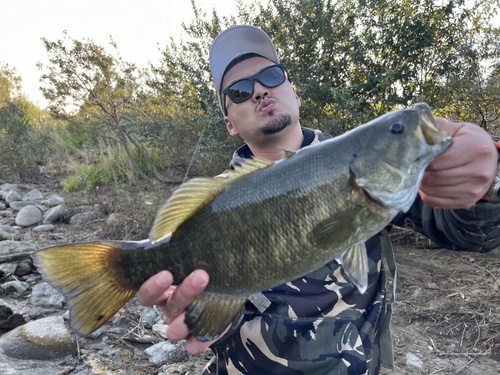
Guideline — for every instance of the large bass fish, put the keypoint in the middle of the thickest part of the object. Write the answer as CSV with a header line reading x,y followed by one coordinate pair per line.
x,y
265,224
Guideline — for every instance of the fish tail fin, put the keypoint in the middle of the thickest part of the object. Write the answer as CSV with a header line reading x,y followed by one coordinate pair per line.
x,y
90,278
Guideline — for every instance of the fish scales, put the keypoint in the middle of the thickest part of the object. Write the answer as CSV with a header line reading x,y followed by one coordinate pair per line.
x,y
227,237
264,225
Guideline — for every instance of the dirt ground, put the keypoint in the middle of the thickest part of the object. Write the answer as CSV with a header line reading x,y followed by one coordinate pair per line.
x,y
447,315
447,310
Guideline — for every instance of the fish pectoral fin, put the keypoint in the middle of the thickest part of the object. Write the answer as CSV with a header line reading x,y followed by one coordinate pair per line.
x,y
86,275
333,229
355,264
210,314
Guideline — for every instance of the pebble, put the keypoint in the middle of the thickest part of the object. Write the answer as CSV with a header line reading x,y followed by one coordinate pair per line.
x,y
160,329
44,295
413,361
16,286
53,200
18,205
150,317
98,332
33,195
43,228
55,214
158,353
12,196
28,216
82,218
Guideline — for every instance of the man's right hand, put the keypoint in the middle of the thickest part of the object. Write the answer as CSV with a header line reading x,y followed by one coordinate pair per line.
x,y
173,301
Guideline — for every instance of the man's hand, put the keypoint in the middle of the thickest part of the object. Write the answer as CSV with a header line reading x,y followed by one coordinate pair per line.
x,y
460,176
173,301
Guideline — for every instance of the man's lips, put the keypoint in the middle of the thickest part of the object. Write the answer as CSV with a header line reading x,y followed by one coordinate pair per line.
x,y
266,105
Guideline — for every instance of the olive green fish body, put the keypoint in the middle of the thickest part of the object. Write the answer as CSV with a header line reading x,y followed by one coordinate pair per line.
x,y
264,225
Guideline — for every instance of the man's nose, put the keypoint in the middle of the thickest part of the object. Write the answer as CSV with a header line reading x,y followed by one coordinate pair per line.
x,y
259,91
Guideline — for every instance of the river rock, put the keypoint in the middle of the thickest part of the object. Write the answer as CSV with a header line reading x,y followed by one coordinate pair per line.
x,y
44,295
150,317
33,195
53,200
12,196
55,214
18,205
161,329
82,218
159,353
43,339
9,187
28,216
43,228
8,234
16,247
413,361
16,286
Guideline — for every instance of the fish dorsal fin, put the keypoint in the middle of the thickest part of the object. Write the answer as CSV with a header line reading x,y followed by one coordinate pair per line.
x,y
194,194
183,204
248,166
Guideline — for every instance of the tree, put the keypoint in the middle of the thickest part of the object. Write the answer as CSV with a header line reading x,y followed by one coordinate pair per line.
x,y
350,61
86,83
10,84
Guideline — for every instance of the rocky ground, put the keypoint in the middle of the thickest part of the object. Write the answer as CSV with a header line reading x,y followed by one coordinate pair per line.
x,y
447,314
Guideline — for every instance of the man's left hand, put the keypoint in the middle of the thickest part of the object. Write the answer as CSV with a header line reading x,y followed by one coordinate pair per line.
x,y
460,176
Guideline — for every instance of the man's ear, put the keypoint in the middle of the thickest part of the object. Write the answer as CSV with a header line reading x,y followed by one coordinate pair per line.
x,y
230,127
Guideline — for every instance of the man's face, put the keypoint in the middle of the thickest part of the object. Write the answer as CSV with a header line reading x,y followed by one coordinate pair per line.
x,y
267,112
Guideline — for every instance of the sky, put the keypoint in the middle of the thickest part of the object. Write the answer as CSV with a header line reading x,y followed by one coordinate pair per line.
x,y
138,27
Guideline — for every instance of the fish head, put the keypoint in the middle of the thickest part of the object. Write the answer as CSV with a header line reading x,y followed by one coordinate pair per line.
x,y
394,151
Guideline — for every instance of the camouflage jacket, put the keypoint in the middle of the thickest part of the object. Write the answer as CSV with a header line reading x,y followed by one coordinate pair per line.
x,y
320,324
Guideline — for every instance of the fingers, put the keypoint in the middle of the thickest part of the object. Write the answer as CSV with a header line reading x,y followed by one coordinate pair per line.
x,y
460,176
185,294
156,290
174,300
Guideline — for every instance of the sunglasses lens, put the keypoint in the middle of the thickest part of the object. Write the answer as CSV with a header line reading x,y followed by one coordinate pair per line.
x,y
272,77
242,90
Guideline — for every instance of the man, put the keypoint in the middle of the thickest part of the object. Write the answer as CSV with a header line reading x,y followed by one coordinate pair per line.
x,y
314,325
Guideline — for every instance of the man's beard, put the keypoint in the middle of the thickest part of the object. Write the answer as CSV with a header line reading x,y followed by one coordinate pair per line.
x,y
277,124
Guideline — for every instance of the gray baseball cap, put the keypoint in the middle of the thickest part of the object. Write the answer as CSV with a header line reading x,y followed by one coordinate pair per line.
x,y
234,42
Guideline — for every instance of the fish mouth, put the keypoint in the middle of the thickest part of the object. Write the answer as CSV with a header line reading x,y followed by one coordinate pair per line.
x,y
373,200
428,130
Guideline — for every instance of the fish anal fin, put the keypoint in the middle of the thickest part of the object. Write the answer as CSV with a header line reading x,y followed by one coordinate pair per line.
x,y
86,276
355,264
210,314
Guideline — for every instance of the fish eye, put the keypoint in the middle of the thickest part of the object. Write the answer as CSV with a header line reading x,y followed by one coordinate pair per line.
x,y
396,128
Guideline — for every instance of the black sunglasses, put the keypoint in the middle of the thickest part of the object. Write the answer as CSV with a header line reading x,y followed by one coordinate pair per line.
x,y
242,89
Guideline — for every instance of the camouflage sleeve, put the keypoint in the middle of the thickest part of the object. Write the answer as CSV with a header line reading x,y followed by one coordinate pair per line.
x,y
476,229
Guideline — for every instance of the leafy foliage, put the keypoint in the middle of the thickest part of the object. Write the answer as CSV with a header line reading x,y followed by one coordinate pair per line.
x,y
349,60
